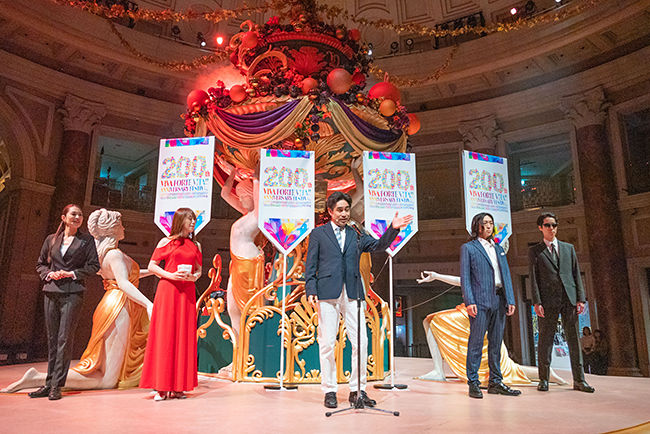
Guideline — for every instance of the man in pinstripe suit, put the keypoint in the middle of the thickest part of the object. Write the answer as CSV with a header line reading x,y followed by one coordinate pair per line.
x,y
488,295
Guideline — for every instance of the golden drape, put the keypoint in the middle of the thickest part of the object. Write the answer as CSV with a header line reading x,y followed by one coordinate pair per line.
x,y
247,276
451,331
105,314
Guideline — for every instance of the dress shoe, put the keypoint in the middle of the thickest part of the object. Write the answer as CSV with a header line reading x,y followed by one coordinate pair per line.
x,y
501,389
364,398
475,391
542,386
42,392
55,394
330,400
583,387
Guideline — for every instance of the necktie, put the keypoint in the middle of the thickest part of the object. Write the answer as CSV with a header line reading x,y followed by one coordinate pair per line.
x,y
339,237
554,255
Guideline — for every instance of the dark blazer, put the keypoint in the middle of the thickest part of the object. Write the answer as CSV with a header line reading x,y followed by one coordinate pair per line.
x,y
547,280
328,268
477,275
81,257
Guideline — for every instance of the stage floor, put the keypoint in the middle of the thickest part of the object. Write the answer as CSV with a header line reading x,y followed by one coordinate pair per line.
x,y
218,406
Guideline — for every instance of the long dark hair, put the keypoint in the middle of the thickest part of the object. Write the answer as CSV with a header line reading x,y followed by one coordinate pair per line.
x,y
477,225
180,216
61,228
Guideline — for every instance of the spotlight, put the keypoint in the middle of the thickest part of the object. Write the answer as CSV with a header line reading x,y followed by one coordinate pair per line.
x,y
531,8
219,40
176,32
370,49
409,44
200,39
513,11
394,47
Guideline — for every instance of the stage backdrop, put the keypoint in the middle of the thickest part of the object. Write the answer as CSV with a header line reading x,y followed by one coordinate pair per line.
x,y
486,190
389,187
184,180
286,199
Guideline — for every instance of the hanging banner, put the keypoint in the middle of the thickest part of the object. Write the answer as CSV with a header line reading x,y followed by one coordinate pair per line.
x,y
486,190
389,187
286,202
184,180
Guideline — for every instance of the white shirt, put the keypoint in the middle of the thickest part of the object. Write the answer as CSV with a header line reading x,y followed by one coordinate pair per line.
x,y
336,228
554,244
492,254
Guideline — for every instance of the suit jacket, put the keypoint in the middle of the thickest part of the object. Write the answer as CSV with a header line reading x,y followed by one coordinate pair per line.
x,y
328,268
548,280
81,257
477,275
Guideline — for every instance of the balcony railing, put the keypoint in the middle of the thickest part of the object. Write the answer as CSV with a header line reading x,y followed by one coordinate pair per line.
x,y
558,191
112,194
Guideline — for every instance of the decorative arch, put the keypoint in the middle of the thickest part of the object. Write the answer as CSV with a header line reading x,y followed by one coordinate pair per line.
x,y
19,145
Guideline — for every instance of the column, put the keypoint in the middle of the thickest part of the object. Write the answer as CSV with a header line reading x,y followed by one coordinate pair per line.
x,y
79,119
587,112
481,135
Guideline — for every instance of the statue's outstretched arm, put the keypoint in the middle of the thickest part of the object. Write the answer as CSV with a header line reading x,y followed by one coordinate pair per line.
x,y
115,262
430,276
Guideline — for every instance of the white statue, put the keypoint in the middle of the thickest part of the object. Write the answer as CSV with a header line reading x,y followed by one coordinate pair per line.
x,y
120,323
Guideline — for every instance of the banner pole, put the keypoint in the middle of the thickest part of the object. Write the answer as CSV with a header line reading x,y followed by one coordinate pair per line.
x,y
393,329
284,305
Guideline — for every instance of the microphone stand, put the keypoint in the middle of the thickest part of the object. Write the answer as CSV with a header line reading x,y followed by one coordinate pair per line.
x,y
358,404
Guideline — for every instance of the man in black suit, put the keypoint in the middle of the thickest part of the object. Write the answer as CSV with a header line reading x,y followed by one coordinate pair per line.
x,y
557,290
332,285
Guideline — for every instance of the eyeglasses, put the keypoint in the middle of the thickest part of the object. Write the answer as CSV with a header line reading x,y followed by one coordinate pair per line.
x,y
550,225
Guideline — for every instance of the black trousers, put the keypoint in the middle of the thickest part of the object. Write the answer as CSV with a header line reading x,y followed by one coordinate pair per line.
x,y
61,318
547,329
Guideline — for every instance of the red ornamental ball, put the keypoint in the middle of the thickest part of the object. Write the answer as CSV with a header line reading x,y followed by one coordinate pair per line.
x,y
359,78
414,126
237,93
384,90
354,34
339,80
249,40
308,84
234,57
197,98
387,107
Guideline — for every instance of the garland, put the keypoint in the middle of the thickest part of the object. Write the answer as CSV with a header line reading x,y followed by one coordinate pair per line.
x,y
331,12
402,82
173,64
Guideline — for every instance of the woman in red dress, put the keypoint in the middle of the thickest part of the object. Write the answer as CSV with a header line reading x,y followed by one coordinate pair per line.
x,y
170,358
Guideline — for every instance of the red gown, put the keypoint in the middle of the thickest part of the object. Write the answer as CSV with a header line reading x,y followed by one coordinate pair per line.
x,y
170,357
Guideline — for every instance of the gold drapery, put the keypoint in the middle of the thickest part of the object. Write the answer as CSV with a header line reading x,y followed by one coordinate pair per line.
x,y
105,314
237,139
357,140
247,275
451,331
287,127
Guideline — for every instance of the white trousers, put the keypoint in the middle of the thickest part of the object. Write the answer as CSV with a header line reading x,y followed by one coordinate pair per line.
x,y
328,327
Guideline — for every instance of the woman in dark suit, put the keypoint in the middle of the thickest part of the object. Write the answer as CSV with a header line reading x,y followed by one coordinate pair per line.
x,y
67,258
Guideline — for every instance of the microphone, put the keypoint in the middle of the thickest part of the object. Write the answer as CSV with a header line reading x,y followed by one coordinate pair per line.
x,y
358,229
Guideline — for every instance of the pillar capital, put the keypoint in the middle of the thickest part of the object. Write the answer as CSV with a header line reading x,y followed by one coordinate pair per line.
x,y
587,108
80,114
480,135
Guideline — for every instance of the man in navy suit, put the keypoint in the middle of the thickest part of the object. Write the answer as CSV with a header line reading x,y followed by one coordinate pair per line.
x,y
488,295
332,285
557,290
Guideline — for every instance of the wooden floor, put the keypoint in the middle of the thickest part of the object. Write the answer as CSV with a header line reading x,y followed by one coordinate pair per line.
x,y
218,406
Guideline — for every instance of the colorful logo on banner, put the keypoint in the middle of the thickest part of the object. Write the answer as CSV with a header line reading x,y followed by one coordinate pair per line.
x,y
286,188
390,187
184,180
486,190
